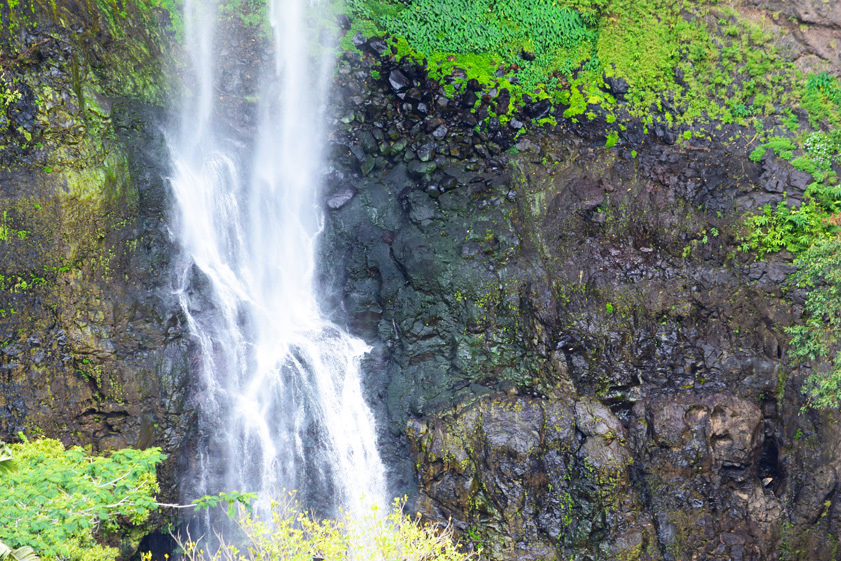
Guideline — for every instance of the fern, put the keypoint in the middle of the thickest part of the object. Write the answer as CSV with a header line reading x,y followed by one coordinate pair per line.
x,y
559,38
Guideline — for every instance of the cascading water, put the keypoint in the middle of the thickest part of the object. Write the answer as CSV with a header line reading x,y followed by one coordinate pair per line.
x,y
280,403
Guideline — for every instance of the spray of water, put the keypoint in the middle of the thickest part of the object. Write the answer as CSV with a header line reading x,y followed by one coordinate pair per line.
x,y
280,401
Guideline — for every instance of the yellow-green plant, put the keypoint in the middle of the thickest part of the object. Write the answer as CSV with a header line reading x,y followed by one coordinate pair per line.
x,y
293,535
9,93
25,553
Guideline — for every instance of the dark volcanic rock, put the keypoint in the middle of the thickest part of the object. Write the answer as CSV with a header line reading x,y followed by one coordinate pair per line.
x,y
539,109
616,85
377,46
398,80
583,363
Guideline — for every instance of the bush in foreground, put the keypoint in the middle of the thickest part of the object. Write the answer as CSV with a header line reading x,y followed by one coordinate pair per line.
x,y
55,501
292,535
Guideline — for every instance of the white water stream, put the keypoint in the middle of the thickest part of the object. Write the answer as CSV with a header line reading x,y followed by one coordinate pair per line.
x,y
280,402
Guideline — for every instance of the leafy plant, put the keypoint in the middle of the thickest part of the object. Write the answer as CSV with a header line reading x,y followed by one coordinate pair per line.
x,y
822,98
58,499
819,338
230,500
24,553
557,38
295,536
9,94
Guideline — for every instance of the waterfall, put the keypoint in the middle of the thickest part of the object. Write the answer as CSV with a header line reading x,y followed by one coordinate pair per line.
x,y
279,396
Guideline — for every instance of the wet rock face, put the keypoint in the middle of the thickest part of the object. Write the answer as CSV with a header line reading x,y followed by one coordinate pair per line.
x,y
583,363
702,459
532,479
91,347
561,476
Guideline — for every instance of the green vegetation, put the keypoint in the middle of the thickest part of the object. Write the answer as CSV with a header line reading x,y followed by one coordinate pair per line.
x,y
811,232
819,338
694,62
57,499
9,93
295,536
788,227
540,37
59,504
781,146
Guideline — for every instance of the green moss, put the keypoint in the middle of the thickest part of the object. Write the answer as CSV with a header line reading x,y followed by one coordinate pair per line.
x,y
638,39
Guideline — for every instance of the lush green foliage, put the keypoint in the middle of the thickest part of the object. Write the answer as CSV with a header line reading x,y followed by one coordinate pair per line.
x,y
57,499
782,146
292,535
729,71
821,96
787,227
819,338
25,553
811,232
796,229
556,36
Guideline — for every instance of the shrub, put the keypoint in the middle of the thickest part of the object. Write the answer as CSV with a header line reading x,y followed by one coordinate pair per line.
x,y
57,499
292,535
757,154
784,227
804,164
825,84
822,99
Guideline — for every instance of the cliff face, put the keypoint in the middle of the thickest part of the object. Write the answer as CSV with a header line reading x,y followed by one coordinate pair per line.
x,y
90,348
570,355
584,362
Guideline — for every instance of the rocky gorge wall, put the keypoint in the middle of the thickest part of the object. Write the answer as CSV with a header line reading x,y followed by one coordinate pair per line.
x,y
584,364
571,358
90,336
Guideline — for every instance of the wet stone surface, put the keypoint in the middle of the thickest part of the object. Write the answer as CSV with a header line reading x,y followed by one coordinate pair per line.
x,y
569,356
